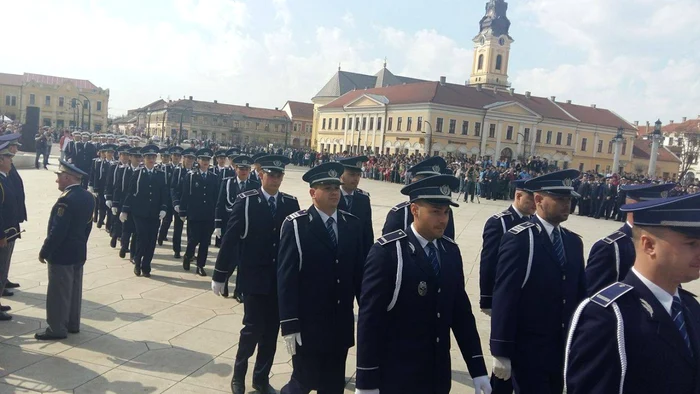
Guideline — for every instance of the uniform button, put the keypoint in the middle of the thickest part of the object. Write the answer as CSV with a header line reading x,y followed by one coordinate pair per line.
x,y
273,260
564,301
438,315
273,245
563,277
336,261
563,325
439,290
274,229
437,340
338,280
205,201
338,302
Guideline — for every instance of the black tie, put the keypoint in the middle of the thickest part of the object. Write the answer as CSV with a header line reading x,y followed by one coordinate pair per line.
x,y
348,199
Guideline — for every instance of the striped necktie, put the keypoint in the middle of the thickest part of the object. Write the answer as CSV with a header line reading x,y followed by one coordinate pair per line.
x,y
331,232
558,246
273,205
433,258
679,321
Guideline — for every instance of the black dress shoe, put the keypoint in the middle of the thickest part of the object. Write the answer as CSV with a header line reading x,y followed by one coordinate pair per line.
x,y
237,387
160,242
99,225
132,261
264,388
5,308
186,263
10,285
73,331
238,297
200,271
177,255
113,243
7,293
137,271
5,317
122,253
146,274
45,336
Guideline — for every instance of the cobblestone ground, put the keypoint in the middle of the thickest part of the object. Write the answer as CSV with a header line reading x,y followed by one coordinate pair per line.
x,y
169,333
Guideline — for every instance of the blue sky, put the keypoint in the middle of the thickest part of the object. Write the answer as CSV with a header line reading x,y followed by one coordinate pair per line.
x,y
637,57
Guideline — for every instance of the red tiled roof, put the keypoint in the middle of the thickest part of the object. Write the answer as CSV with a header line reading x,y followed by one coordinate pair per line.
x,y
642,150
10,79
229,109
692,125
597,116
57,81
301,110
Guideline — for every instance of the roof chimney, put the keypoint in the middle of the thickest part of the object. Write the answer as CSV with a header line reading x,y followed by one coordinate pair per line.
x,y
190,98
670,121
247,105
216,102
593,106
478,87
685,118
443,79
277,109
466,83
568,101
636,123
511,91
553,98
528,94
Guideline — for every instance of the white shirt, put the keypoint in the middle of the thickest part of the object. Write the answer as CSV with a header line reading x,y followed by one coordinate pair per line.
x,y
3,174
267,196
325,217
664,297
549,228
424,242
517,211
240,181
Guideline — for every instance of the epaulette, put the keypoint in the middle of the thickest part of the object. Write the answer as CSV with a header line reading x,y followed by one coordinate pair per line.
x,y
611,293
612,238
522,226
297,214
401,206
448,239
391,237
362,192
347,213
502,214
687,292
253,192
289,196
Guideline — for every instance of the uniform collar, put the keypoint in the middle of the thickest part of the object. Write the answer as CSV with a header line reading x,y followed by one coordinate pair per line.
x,y
325,217
346,193
664,298
547,226
422,241
3,174
239,180
267,196
517,211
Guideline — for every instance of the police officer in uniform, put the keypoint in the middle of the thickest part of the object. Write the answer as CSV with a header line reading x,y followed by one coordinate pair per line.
x,y
642,335
228,171
228,191
252,238
179,173
399,217
128,236
65,251
167,168
114,174
412,296
539,281
16,181
197,206
220,167
98,179
85,153
584,190
146,202
355,200
612,257
318,276
9,220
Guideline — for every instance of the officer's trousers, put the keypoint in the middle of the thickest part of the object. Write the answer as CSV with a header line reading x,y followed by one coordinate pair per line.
x,y
323,372
583,207
165,225
100,209
260,328
177,234
199,234
63,298
146,234
500,386
116,230
128,237
535,381
5,258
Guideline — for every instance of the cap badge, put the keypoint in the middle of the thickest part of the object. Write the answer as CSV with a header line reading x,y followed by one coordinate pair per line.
x,y
277,163
436,168
359,164
567,182
664,194
445,190
245,162
332,173
422,289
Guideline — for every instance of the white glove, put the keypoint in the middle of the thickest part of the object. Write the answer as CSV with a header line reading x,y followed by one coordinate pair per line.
x,y
372,391
217,232
108,203
482,385
123,216
487,312
91,189
291,340
501,367
217,287
115,211
177,208
161,215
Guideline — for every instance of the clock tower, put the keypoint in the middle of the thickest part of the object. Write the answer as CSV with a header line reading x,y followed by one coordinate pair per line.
x,y
492,47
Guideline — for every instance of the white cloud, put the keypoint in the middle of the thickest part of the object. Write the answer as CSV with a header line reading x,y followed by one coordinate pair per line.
x,y
349,19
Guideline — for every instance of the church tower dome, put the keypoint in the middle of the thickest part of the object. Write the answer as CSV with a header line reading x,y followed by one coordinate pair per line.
x,y
492,47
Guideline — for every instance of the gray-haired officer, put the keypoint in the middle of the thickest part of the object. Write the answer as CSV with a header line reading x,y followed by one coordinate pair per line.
x,y
642,335
65,252
399,217
318,277
9,220
412,296
612,257
539,282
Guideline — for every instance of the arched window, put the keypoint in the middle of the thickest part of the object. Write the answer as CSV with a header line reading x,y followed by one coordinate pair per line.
x,y
499,61
481,62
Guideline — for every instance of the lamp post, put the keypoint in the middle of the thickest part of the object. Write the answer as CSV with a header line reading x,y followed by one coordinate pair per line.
x,y
619,139
656,136
429,142
182,114
78,117
89,110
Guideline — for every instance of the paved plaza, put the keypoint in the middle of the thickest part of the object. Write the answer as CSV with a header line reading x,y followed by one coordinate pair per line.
x,y
169,333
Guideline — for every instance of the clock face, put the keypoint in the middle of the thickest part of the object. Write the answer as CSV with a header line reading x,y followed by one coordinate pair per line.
x,y
502,41
482,40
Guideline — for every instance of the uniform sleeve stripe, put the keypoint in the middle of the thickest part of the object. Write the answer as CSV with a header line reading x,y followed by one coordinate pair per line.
x,y
530,257
570,337
220,271
367,369
621,346
399,273
247,204
288,320
298,241
617,261
503,223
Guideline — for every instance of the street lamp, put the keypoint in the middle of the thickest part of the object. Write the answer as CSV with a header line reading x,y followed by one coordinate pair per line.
x,y
77,116
89,110
429,143
619,138
656,136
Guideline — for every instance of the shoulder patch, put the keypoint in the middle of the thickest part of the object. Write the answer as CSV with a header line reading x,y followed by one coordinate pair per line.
x,y
522,226
391,237
614,237
611,293
448,239
362,192
347,213
289,196
253,192
401,206
297,214
502,214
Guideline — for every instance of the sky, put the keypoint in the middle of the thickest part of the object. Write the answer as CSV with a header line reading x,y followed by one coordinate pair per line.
x,y
639,58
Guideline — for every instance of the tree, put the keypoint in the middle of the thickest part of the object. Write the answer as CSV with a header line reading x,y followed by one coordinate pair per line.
x,y
689,142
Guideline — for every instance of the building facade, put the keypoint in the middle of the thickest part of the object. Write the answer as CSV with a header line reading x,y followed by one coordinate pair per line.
x,y
302,118
62,102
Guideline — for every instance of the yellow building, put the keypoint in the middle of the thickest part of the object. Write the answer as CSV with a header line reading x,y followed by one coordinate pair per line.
x,y
62,102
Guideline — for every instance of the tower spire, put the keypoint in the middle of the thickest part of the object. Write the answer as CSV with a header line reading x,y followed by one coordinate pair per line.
x,y
492,47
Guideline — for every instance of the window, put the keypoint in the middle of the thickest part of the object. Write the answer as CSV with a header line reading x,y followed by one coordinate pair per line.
x,y
32,99
364,123
60,124
14,101
419,125
371,123
438,125
399,120
47,101
453,126
538,136
7,100
477,129
343,124
499,62
559,134
389,122
323,126
526,135
624,147
336,124
72,103
600,146
98,126
60,101
409,123
47,122
509,132
99,105
584,142
85,104
357,124
465,127
549,137
379,123
492,130
296,127
568,139
610,146
481,62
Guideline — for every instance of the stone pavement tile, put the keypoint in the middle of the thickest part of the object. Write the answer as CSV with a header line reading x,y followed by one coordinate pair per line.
x,y
210,301
228,323
205,341
186,388
13,358
28,343
119,381
40,275
36,312
17,326
282,367
107,350
279,380
105,277
150,330
217,374
133,285
54,373
19,302
8,389
137,307
36,292
185,315
103,321
172,364
171,294
281,355
93,299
